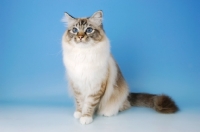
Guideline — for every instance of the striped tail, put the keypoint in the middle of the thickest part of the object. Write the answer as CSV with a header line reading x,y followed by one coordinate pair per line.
x,y
161,103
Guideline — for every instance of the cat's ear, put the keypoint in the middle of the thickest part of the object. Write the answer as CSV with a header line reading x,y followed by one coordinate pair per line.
x,y
68,19
97,17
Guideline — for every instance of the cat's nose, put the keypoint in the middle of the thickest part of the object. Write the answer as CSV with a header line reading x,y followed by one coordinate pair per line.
x,y
80,37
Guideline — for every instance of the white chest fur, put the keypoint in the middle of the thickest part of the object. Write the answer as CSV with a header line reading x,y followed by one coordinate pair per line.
x,y
87,67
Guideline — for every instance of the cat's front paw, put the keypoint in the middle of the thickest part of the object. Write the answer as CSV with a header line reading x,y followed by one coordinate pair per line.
x,y
77,114
86,120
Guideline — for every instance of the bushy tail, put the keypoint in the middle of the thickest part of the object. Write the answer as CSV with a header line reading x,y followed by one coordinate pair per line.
x,y
161,103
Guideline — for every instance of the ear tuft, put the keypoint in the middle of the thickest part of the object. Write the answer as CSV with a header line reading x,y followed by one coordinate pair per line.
x,y
97,17
68,19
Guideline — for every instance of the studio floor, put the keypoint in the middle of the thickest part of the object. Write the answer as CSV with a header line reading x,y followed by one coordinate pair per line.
x,y
23,118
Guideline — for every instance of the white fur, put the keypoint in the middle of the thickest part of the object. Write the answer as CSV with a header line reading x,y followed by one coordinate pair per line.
x,y
97,17
110,109
77,114
86,120
87,66
68,20
109,88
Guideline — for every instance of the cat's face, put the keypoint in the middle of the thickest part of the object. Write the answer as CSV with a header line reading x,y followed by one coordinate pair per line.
x,y
84,31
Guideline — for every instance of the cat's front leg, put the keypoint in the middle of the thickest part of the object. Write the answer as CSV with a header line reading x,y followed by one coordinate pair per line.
x,y
90,104
78,112
78,101
88,110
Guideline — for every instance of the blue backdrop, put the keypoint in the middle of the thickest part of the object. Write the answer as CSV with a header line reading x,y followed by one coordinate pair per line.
x,y
156,44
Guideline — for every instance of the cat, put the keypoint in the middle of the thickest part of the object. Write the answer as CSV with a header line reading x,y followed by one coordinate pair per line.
x,y
94,76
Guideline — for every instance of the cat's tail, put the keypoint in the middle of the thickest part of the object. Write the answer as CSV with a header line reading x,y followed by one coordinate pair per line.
x,y
161,103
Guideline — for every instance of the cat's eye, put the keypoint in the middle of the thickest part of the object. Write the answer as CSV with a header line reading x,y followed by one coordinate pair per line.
x,y
89,30
74,30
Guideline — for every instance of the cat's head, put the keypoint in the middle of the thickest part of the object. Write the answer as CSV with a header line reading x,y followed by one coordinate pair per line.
x,y
84,31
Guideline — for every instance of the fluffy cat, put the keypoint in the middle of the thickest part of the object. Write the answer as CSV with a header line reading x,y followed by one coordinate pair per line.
x,y
94,76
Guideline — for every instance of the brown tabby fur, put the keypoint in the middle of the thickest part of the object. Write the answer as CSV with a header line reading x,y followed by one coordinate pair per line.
x,y
94,76
161,103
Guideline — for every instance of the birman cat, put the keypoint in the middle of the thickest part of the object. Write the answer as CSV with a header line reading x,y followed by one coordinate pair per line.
x,y
94,76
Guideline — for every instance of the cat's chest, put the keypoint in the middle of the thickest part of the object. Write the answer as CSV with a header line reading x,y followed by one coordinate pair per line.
x,y
86,67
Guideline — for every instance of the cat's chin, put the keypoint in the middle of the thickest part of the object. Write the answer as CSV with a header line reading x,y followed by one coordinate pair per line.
x,y
83,44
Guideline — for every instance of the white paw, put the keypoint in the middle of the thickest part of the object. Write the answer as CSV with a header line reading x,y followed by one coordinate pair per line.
x,y
86,120
77,114
108,114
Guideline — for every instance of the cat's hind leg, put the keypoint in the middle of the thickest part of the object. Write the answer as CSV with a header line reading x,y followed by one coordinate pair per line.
x,y
117,102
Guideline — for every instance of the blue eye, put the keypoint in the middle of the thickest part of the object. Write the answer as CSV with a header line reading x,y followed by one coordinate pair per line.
x,y
74,30
89,30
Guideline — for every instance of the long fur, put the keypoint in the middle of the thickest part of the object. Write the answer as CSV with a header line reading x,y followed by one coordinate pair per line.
x,y
94,76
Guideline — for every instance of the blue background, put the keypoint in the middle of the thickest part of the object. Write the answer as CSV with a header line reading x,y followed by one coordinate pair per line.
x,y
156,44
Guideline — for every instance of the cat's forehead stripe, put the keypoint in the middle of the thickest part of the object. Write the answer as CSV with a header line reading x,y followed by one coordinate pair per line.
x,y
82,22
